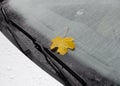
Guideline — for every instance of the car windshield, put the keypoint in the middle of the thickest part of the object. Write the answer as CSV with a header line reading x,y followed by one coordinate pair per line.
x,y
94,25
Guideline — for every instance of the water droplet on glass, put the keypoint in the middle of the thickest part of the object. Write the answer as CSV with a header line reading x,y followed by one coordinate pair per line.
x,y
98,79
80,12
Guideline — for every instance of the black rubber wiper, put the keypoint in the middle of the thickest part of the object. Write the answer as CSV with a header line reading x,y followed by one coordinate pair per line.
x,y
46,52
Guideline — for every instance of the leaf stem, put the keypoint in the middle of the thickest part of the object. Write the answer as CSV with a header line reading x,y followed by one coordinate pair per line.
x,y
66,31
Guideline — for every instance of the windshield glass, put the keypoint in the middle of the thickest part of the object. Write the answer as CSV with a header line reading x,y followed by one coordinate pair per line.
x,y
93,24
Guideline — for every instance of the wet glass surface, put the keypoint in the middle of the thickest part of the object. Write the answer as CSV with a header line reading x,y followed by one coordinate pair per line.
x,y
94,26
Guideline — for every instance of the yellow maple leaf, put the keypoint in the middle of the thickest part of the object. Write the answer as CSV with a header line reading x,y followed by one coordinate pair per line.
x,y
62,44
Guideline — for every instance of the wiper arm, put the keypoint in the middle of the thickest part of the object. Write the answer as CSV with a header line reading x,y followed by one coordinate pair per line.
x,y
44,50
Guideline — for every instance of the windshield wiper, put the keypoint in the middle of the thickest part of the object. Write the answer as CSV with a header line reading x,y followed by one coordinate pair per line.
x,y
49,56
